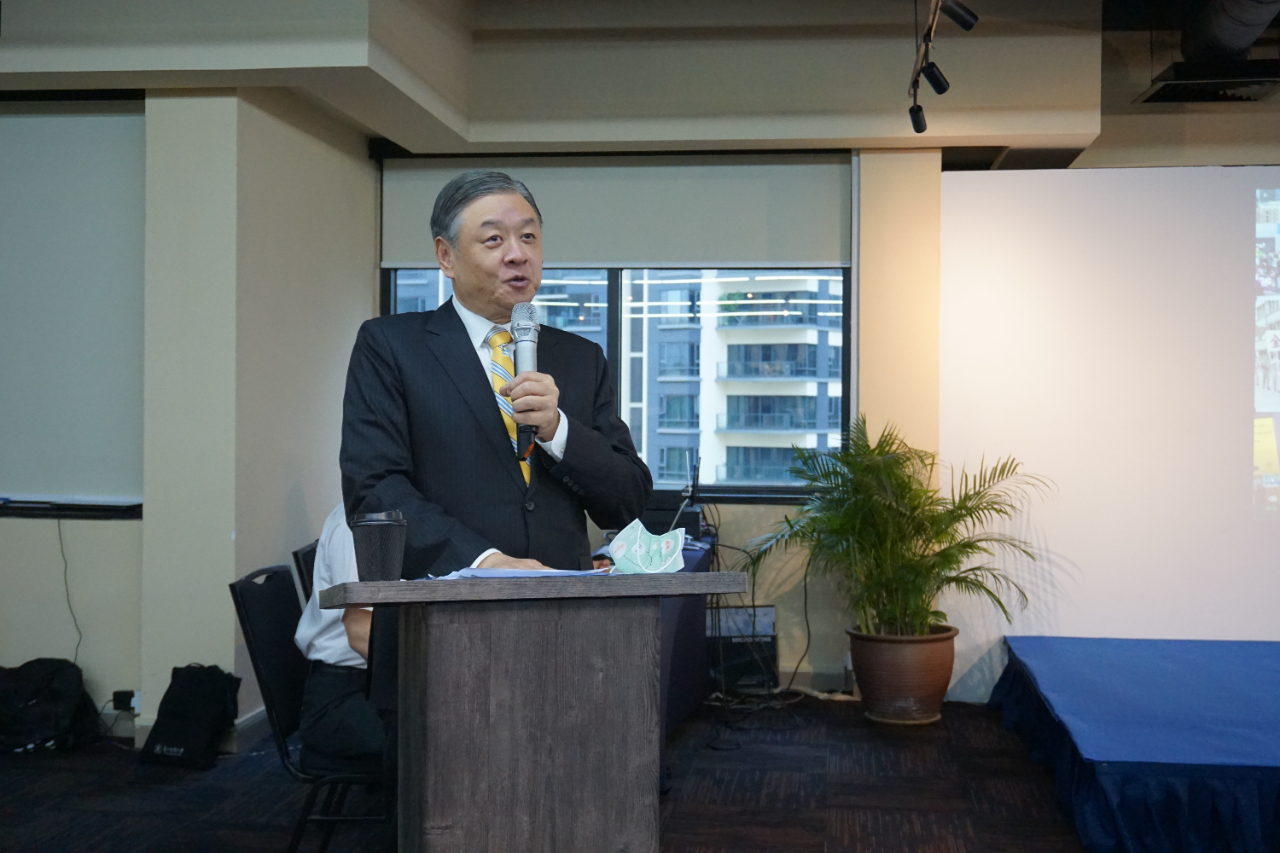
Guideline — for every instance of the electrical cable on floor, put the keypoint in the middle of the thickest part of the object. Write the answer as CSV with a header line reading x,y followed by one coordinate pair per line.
x,y
66,586
735,710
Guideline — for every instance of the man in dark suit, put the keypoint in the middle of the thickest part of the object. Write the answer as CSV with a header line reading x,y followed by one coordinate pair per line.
x,y
431,408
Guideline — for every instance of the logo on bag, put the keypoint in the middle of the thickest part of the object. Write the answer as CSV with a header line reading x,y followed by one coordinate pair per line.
x,y
171,751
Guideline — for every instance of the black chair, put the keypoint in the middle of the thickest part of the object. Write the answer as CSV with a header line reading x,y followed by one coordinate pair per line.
x,y
304,563
267,606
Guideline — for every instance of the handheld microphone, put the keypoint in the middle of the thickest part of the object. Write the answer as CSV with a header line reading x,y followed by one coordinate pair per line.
x,y
524,331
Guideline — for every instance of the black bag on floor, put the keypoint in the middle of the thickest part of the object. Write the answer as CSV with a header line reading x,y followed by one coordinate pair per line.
x,y
43,704
196,711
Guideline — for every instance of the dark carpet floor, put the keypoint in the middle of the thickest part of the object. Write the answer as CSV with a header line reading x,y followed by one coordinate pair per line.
x,y
816,777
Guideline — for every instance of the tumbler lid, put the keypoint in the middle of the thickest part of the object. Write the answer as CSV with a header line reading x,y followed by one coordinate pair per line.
x,y
392,517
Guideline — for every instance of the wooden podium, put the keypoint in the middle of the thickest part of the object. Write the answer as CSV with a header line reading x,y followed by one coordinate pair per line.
x,y
529,716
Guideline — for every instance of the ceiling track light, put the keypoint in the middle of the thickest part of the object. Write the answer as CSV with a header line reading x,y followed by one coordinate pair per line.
x,y
961,14
918,123
925,67
931,72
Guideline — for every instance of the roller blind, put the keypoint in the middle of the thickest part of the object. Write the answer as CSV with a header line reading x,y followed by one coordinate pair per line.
x,y
71,290
695,211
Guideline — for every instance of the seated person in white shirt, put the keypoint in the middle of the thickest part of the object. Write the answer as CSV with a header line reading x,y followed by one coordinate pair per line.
x,y
337,720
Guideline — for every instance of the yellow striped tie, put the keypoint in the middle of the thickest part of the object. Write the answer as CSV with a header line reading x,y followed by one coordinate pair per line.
x,y
501,371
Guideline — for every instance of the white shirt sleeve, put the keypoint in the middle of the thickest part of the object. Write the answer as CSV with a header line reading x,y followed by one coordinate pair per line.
x,y
475,564
555,447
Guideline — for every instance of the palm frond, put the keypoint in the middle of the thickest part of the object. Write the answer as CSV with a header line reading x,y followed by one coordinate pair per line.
x,y
874,521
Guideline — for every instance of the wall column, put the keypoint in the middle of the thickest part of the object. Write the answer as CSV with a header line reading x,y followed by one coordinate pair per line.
x,y
261,263
189,397
900,221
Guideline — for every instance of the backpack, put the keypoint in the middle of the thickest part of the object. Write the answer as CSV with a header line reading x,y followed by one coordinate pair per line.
x,y
197,709
43,704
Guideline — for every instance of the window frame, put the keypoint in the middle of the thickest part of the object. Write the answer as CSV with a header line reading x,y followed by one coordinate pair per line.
x,y
712,492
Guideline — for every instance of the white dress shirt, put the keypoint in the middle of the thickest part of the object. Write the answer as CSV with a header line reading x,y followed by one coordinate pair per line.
x,y
478,329
321,635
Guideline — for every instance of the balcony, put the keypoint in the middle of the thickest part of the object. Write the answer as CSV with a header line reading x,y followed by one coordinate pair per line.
x,y
778,308
677,423
686,372
730,319
766,370
673,473
756,422
773,474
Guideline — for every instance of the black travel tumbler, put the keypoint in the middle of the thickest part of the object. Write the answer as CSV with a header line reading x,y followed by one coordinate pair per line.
x,y
379,541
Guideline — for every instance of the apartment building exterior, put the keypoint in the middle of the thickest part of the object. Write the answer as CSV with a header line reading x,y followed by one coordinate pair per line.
x,y
734,367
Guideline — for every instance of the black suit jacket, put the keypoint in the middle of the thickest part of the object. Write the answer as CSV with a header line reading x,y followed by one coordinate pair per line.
x,y
421,433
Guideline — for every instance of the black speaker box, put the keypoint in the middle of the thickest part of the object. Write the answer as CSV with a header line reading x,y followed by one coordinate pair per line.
x,y
743,664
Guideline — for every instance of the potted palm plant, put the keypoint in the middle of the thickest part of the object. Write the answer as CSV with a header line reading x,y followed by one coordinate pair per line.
x,y
876,523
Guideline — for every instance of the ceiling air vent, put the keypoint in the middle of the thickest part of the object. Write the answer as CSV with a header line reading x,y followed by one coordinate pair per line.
x,y
1214,81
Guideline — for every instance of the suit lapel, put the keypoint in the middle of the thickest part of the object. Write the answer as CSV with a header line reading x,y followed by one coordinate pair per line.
x,y
448,341
547,359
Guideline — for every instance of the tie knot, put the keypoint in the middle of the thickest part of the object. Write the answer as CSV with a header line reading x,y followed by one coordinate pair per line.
x,y
497,337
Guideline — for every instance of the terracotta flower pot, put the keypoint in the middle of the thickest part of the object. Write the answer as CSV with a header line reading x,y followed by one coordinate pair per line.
x,y
903,679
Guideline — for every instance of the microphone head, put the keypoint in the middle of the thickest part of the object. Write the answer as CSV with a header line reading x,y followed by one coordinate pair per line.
x,y
524,322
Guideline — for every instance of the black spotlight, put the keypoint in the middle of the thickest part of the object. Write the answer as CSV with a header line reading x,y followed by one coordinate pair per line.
x,y
917,118
931,72
960,13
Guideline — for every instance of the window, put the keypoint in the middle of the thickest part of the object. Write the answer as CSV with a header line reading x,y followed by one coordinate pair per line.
x,y
675,464
678,411
757,465
778,308
769,414
677,306
771,361
678,360
834,412
772,341
573,300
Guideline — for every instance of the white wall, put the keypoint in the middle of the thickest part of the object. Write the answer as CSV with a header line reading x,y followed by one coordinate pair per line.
x,y
1098,326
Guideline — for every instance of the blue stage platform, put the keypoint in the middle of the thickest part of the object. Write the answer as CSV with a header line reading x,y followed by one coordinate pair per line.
x,y
1157,746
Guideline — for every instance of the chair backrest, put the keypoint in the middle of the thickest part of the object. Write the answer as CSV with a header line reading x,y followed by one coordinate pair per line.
x,y
304,561
267,606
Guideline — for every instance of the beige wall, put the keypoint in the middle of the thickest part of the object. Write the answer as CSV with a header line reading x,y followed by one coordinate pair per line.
x,y
1208,135
899,225
189,390
449,77
898,268
1136,134
103,575
780,583
840,86
306,266
261,262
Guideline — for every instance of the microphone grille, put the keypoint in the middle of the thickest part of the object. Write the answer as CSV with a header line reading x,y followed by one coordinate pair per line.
x,y
524,322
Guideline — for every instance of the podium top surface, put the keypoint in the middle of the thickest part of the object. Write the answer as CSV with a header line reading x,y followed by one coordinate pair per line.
x,y
515,589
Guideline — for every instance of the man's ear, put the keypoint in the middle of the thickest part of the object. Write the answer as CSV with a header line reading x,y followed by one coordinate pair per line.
x,y
444,256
